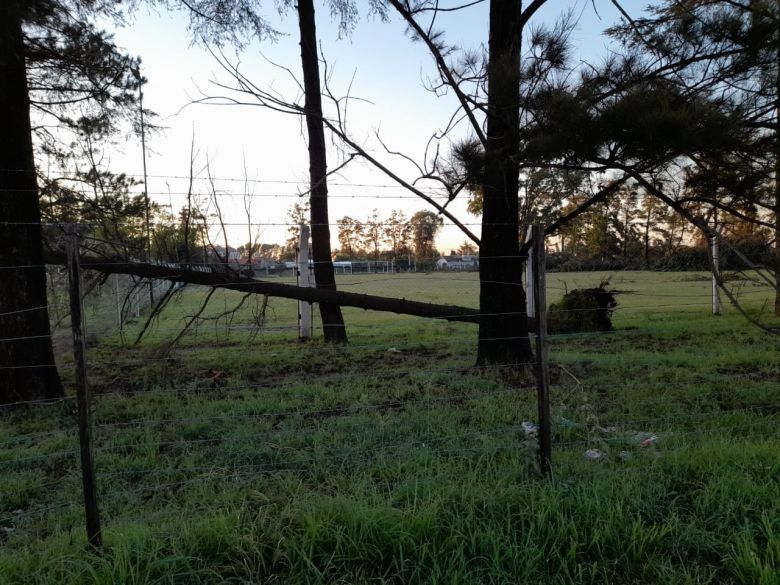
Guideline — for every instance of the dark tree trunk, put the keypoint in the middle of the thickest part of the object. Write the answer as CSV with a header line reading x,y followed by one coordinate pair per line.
x,y
503,328
777,183
332,319
27,369
777,223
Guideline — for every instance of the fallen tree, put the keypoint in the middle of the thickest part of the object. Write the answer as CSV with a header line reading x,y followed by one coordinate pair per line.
x,y
275,289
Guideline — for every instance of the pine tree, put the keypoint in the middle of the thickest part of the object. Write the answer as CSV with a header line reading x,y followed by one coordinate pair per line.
x,y
52,59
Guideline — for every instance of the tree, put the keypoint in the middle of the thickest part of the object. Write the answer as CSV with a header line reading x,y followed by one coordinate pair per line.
x,y
599,241
425,226
652,214
297,214
503,329
51,60
372,234
102,203
623,214
324,275
492,154
467,249
350,236
397,233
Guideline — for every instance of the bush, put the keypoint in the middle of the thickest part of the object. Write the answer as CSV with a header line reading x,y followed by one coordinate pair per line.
x,y
583,309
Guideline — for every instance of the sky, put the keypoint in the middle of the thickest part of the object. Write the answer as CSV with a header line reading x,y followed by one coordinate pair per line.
x,y
378,65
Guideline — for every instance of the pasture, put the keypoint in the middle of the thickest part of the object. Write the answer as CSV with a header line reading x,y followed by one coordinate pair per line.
x,y
242,455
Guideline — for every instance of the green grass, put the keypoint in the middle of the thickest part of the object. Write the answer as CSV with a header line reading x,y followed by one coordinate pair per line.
x,y
246,458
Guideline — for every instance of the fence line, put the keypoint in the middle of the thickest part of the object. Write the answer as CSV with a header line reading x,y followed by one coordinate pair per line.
x,y
490,422
341,409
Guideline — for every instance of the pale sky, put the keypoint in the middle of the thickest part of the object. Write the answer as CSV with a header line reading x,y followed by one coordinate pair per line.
x,y
386,71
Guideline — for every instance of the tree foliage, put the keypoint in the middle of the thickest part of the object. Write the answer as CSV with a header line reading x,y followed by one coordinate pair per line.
x,y
425,226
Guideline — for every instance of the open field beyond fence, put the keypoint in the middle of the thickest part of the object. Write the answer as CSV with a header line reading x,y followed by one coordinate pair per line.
x,y
242,455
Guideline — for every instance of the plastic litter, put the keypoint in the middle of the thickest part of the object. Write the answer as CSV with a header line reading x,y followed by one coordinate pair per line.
x,y
645,439
594,454
529,429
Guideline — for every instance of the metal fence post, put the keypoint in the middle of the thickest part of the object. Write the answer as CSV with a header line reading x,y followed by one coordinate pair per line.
x,y
82,395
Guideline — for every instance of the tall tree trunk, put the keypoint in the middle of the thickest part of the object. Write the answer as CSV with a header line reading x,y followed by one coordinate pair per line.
x,y
777,221
777,180
332,319
27,369
503,328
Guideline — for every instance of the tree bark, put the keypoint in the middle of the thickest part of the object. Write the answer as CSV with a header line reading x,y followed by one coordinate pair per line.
x,y
503,327
27,370
332,319
777,179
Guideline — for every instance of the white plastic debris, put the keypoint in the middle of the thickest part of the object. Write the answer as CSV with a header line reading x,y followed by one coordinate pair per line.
x,y
594,454
530,429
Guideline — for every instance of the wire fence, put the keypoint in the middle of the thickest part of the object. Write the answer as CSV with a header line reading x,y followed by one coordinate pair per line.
x,y
240,409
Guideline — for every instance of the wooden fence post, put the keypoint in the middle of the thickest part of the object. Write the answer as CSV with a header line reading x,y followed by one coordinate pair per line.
x,y
82,395
304,279
530,307
542,371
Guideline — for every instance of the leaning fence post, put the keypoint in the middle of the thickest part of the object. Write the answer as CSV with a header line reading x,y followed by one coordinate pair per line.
x,y
304,279
82,395
542,372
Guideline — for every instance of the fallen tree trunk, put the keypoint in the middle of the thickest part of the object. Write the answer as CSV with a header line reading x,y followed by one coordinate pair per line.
x,y
275,289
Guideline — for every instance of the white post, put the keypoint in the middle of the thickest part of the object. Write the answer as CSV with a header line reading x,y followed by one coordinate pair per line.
x,y
304,279
530,305
715,276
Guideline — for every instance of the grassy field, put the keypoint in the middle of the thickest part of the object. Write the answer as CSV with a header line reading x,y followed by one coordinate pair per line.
x,y
245,456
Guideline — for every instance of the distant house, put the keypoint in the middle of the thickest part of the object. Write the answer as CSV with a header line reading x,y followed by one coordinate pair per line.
x,y
228,255
457,262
